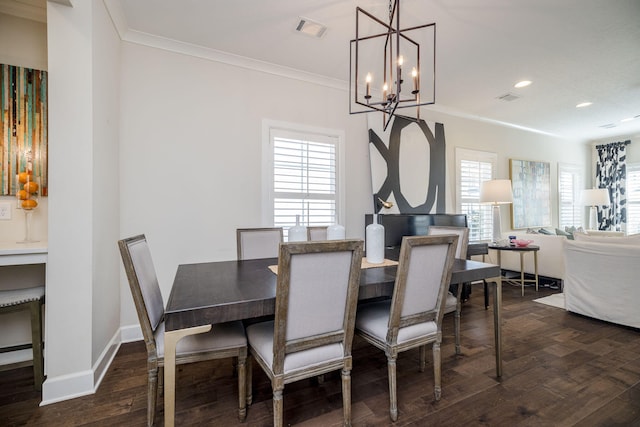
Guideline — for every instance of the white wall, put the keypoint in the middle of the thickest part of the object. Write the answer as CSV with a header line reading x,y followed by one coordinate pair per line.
x,y
191,153
82,289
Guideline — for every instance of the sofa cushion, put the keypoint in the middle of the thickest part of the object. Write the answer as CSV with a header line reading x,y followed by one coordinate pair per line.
x,y
622,240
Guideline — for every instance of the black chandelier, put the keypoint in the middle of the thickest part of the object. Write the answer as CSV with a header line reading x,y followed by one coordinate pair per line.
x,y
379,55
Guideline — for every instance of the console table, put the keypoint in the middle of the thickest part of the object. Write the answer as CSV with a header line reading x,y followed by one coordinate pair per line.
x,y
12,253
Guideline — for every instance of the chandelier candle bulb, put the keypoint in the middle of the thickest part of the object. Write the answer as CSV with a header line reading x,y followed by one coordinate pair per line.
x,y
414,74
368,80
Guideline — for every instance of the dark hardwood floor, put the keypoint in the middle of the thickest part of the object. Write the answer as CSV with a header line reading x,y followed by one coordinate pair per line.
x,y
560,369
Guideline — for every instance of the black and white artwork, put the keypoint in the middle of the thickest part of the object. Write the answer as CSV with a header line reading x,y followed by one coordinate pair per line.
x,y
407,166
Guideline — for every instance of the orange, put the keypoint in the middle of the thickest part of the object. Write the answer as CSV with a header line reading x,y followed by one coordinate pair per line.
x,y
29,204
23,177
31,187
22,195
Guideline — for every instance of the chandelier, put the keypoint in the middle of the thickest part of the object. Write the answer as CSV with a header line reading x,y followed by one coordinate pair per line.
x,y
380,56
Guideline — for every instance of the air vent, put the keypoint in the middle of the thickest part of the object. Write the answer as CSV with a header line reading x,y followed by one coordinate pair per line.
x,y
311,28
608,126
508,97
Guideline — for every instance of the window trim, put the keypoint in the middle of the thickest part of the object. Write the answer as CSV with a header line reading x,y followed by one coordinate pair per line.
x,y
268,126
578,172
472,155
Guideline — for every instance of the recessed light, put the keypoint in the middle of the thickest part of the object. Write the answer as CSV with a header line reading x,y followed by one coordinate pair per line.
x,y
523,83
583,104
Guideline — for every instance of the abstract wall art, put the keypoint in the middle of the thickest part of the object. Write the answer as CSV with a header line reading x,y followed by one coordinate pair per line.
x,y
407,166
531,205
23,127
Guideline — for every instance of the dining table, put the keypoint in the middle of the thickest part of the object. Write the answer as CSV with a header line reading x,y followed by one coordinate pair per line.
x,y
216,292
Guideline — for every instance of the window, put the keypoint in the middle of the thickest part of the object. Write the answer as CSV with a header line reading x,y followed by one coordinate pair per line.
x,y
304,176
570,183
633,198
472,168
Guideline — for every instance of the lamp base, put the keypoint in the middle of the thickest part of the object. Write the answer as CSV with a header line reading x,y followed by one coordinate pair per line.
x,y
593,218
497,233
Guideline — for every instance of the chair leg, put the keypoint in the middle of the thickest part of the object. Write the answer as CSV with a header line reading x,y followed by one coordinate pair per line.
x,y
486,294
457,326
423,357
35,307
249,380
152,390
393,398
242,384
161,380
278,407
346,396
436,371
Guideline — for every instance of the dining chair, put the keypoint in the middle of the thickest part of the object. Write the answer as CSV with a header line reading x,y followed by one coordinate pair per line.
x,y
453,303
413,316
316,233
316,298
254,243
222,341
31,300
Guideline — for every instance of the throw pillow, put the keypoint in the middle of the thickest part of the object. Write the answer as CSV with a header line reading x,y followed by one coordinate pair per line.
x,y
564,233
531,231
547,232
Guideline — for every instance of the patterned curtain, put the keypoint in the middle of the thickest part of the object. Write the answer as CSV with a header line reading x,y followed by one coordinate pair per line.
x,y
611,173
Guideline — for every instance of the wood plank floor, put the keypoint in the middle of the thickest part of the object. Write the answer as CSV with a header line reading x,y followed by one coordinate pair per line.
x,y
560,369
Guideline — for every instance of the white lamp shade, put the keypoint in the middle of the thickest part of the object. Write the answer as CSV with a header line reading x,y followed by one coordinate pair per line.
x,y
595,197
496,191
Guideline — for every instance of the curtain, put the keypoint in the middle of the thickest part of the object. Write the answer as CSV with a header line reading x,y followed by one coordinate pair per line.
x,y
611,173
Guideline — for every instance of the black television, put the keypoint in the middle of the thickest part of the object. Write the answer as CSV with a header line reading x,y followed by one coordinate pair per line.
x,y
398,225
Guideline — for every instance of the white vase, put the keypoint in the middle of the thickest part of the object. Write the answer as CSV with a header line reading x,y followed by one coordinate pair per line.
x,y
335,232
298,233
374,241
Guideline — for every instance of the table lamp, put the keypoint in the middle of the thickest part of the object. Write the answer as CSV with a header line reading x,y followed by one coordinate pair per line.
x,y
496,192
595,197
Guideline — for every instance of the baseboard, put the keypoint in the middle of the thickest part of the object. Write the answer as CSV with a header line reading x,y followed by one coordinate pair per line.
x,y
17,356
131,333
78,384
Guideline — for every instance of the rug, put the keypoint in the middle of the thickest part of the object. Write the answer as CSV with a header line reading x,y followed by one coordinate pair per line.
x,y
554,300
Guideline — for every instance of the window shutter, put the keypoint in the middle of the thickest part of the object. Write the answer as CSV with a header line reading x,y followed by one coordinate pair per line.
x,y
474,167
633,199
304,180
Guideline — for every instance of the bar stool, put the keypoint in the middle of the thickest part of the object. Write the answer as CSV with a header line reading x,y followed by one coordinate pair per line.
x,y
30,299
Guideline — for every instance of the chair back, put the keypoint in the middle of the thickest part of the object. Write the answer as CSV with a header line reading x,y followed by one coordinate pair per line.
x,y
143,282
422,280
316,233
463,237
316,296
254,243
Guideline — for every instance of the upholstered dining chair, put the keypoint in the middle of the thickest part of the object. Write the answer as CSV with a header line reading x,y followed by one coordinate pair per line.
x,y
454,302
316,233
413,316
224,340
316,298
254,243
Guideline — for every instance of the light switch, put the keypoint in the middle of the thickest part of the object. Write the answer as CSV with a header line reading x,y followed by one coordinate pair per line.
x,y
5,210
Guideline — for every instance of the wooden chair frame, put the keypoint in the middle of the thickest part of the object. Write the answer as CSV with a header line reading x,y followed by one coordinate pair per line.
x,y
461,252
311,231
241,231
155,363
282,347
396,321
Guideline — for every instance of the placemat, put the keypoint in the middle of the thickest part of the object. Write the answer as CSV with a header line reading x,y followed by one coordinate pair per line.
x,y
365,264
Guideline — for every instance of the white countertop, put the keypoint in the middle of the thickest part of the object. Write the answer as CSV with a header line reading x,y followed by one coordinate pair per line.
x,y
14,253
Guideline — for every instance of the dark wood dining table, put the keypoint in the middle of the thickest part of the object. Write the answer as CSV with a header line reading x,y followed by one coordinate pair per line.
x,y
216,292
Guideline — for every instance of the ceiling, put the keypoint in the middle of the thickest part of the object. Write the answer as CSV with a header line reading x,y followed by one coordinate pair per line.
x,y
572,50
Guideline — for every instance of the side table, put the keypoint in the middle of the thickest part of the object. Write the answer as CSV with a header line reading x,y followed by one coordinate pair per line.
x,y
521,251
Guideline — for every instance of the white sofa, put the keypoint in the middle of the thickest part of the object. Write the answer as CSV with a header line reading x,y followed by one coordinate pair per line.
x,y
602,277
